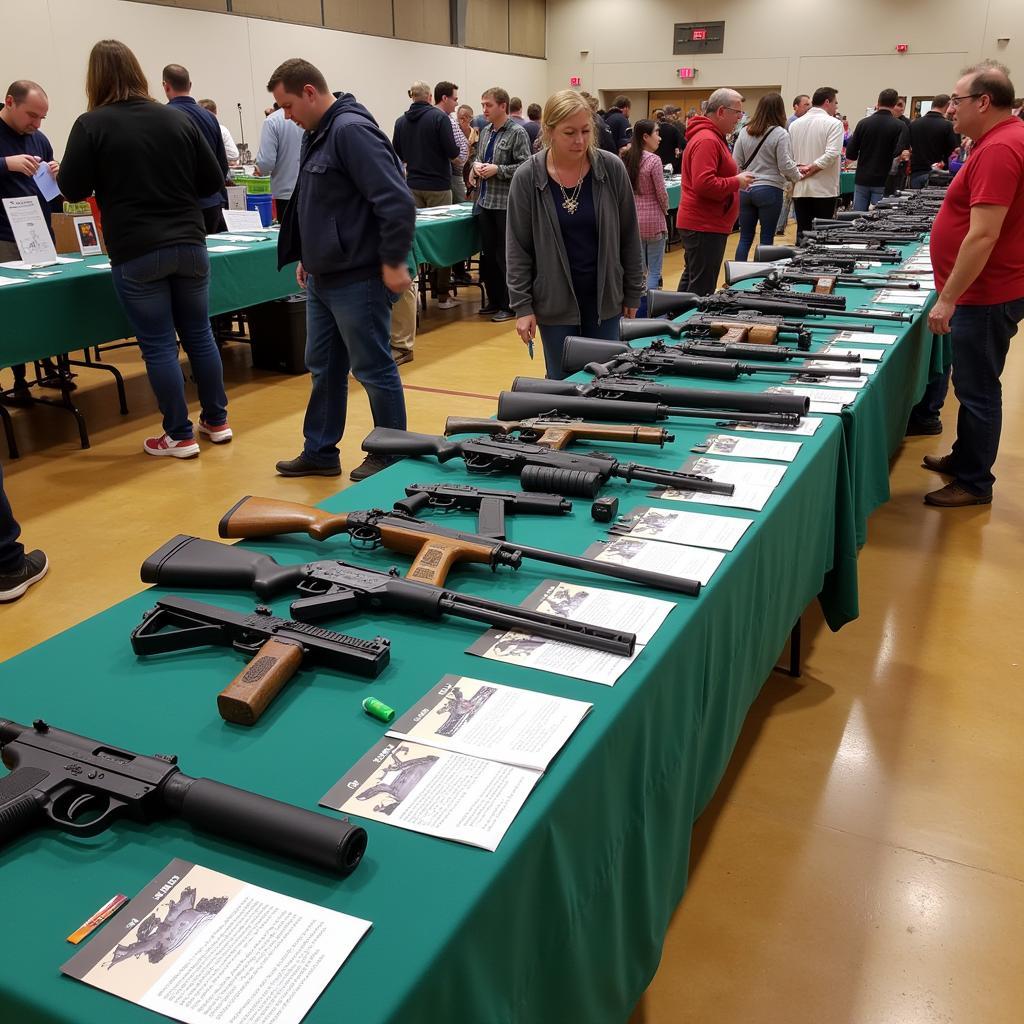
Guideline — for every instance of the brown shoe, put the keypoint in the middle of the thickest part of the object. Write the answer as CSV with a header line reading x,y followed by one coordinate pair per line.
x,y
939,464
402,355
955,496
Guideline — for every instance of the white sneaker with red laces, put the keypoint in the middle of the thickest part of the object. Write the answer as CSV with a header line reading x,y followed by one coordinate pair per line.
x,y
218,435
166,445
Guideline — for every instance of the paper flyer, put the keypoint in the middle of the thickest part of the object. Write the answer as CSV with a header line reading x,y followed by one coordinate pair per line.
x,y
639,615
865,337
679,560
697,529
866,368
822,399
867,355
754,483
805,428
900,297
31,235
434,791
495,722
854,383
206,948
748,448
244,220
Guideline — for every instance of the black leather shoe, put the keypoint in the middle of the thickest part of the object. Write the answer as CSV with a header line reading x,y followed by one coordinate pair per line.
x,y
502,315
301,466
370,465
921,428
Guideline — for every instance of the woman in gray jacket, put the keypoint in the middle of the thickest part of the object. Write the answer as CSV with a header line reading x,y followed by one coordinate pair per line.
x,y
575,264
763,148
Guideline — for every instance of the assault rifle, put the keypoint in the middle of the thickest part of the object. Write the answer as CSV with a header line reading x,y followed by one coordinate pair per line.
x,y
870,253
435,549
775,272
276,647
727,327
338,588
82,786
713,348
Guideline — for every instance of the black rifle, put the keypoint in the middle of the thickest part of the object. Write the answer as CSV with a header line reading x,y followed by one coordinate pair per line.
x,y
490,504
736,272
337,588
538,465
612,358
875,231
276,647
82,786
740,326
873,253
837,236
772,286
712,349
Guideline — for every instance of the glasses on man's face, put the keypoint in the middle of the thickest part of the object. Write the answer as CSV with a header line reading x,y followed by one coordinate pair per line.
x,y
955,101
735,110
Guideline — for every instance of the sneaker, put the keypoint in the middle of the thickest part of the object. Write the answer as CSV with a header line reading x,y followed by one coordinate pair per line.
x,y
939,464
370,465
302,466
502,315
955,496
447,303
166,445
14,583
401,355
919,428
218,435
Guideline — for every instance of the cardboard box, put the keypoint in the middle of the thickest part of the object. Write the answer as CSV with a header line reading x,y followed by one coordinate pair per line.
x,y
65,239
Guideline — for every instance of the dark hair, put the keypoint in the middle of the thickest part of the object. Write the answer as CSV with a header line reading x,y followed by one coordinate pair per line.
x,y
941,100
19,90
797,99
443,89
632,157
622,102
770,113
295,74
888,98
823,95
996,86
208,105
497,94
114,75
515,103
533,111
177,77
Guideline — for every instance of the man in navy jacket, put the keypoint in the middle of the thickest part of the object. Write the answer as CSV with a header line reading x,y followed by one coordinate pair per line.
x,y
350,225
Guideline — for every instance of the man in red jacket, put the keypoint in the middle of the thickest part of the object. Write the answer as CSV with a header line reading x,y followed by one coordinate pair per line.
x,y
711,184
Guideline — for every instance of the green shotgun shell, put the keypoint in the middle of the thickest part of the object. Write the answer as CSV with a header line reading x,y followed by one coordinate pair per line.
x,y
378,709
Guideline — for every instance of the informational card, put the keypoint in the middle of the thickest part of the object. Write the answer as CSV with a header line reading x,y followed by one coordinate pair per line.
x,y
865,337
206,948
11,280
225,248
46,182
747,448
495,722
673,526
434,791
850,383
900,297
87,235
31,235
598,607
867,355
754,483
823,400
845,245
244,220
865,368
236,197
807,427
224,237
678,560
105,265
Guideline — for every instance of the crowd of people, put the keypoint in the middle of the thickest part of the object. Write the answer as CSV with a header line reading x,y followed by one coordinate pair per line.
x,y
572,209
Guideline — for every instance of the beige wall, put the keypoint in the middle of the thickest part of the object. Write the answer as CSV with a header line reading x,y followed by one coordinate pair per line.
x,y
230,59
629,45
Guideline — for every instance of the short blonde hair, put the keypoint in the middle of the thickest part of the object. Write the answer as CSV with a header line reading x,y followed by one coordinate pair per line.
x,y
420,91
562,104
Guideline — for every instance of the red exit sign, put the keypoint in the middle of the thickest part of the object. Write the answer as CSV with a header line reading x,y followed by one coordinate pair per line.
x,y
575,81
699,35
687,72
902,47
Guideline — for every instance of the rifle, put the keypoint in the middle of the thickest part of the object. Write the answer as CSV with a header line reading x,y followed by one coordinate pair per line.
x,y
713,349
435,549
873,253
729,327
772,286
338,588
276,647
540,466
82,786
875,231
613,358
838,236
736,272
491,505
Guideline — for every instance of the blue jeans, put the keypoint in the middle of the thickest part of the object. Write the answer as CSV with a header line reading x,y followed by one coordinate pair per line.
x,y
981,338
348,328
762,205
167,290
866,195
654,257
927,410
553,337
919,179
12,552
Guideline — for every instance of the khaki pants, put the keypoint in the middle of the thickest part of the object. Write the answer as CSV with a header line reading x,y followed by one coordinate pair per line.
x,y
425,200
403,321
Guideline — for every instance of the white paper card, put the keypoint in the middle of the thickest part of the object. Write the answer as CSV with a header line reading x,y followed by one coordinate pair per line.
x,y
898,297
866,354
243,220
31,235
46,182
674,526
865,368
754,483
226,248
805,428
678,560
11,280
748,448
817,394
866,337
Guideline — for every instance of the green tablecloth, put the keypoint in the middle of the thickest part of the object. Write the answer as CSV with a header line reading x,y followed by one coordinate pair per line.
x,y
448,240
846,183
565,921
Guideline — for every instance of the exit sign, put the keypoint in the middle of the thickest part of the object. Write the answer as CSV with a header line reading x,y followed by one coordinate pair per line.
x,y
575,81
902,47
699,35
687,72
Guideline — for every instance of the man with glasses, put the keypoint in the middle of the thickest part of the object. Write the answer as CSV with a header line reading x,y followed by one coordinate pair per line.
x,y
711,183
977,250
817,139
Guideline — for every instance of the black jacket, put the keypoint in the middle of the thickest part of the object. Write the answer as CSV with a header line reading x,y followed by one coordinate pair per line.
x,y
932,139
425,143
672,138
875,143
209,128
351,209
605,139
620,128
148,165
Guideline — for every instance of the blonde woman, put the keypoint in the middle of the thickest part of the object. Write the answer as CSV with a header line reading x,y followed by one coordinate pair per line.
x,y
575,264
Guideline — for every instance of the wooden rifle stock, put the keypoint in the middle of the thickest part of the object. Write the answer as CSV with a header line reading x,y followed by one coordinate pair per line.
x,y
246,697
270,517
559,433
750,334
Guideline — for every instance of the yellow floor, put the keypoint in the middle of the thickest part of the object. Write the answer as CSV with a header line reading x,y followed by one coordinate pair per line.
x,y
863,860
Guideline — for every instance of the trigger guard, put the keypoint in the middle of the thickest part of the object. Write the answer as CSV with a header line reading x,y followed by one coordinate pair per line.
x,y
66,821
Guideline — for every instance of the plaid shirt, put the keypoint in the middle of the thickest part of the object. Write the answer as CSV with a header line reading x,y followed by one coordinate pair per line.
x,y
511,149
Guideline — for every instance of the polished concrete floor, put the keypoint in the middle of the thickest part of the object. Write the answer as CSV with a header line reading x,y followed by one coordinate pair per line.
x,y
863,859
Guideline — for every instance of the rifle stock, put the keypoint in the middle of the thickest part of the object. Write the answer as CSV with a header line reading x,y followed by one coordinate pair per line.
x,y
269,517
403,443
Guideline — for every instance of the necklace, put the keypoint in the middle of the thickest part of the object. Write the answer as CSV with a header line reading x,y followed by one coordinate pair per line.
x,y
571,200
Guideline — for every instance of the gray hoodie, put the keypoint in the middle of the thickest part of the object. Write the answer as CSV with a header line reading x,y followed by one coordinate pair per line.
x,y
774,161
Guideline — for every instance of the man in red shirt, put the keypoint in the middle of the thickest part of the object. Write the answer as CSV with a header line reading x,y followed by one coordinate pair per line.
x,y
710,195
977,250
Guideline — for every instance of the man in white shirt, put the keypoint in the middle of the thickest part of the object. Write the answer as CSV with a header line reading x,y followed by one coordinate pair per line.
x,y
817,148
229,143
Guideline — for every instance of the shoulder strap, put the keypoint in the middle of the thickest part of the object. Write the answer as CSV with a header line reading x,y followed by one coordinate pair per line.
x,y
764,139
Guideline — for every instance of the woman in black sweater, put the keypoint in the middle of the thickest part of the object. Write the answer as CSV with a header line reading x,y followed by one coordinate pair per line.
x,y
148,166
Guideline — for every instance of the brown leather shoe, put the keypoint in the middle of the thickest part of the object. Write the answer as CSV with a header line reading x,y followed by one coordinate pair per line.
x,y
955,496
939,464
402,355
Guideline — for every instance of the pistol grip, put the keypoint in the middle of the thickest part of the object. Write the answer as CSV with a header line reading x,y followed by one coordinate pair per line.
x,y
435,559
735,332
246,697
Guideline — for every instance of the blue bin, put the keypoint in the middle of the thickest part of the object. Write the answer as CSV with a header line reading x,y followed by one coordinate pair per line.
x,y
265,205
